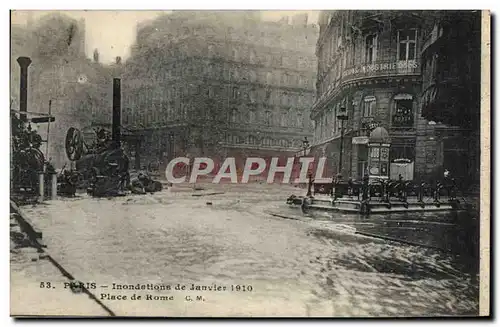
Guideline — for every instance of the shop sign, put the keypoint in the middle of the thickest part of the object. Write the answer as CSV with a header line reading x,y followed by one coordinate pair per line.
x,y
360,140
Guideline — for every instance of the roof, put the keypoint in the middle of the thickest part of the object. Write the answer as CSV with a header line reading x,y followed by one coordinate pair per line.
x,y
379,135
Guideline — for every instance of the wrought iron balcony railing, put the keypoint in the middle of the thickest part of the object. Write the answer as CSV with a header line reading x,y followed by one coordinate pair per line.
x,y
386,68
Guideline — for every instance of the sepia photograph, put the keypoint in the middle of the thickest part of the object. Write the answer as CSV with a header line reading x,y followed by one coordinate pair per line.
x,y
246,163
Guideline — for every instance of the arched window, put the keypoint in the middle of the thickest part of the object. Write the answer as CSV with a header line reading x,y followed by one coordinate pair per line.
x,y
235,92
234,54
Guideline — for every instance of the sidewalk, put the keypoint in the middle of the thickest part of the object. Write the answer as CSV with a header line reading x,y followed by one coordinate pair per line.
x,y
30,269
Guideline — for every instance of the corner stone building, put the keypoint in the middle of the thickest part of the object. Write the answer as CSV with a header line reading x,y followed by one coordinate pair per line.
x,y
219,84
369,64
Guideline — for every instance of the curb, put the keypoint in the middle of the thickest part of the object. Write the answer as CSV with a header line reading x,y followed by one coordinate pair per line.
x,y
34,235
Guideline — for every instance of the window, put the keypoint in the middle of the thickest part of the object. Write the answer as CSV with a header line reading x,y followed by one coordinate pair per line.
x,y
252,116
299,120
235,74
253,76
269,78
375,152
284,99
369,106
283,120
371,48
407,44
234,53
210,91
235,92
252,56
234,115
268,118
402,151
252,95
211,50
252,140
403,111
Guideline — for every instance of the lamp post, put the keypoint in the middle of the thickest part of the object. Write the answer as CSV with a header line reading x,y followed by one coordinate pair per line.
x,y
342,116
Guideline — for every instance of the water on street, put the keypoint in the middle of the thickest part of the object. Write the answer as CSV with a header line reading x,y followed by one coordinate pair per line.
x,y
295,264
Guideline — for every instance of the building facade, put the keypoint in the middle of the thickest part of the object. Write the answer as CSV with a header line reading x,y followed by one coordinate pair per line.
x,y
369,66
451,88
220,84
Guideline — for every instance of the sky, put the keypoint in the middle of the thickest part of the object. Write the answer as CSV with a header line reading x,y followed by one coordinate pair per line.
x,y
113,32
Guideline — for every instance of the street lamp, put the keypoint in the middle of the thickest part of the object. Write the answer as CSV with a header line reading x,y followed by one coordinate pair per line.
x,y
342,116
305,145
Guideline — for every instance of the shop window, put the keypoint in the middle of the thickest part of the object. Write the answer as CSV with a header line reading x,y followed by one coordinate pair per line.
x,y
369,106
401,152
407,44
403,115
371,48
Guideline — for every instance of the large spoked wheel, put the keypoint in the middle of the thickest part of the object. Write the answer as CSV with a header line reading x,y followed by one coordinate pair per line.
x,y
74,144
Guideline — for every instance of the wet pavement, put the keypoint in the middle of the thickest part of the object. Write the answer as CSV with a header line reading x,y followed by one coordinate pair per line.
x,y
295,264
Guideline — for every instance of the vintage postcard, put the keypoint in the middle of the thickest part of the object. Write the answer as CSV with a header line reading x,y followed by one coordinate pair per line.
x,y
326,163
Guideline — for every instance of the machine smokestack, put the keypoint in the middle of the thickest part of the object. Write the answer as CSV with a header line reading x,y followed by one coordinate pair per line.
x,y
24,63
115,127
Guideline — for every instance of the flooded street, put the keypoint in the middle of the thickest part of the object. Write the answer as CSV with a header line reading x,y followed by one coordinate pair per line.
x,y
307,265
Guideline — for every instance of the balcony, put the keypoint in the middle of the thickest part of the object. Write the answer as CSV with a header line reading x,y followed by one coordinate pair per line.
x,y
378,69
